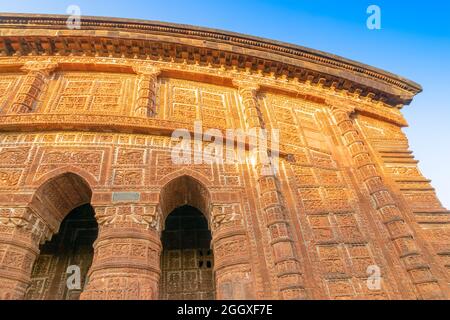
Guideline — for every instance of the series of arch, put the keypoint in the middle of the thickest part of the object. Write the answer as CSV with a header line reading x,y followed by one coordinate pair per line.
x,y
70,188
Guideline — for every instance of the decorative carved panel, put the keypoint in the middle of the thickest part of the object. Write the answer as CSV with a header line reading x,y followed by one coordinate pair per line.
x,y
92,93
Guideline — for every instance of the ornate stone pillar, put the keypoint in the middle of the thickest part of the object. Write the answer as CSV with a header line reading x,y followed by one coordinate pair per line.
x,y
32,86
146,99
391,216
127,252
233,271
248,93
287,264
21,233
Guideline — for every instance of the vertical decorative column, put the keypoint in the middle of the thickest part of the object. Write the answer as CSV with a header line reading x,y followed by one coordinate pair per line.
x,y
287,264
21,233
127,252
146,95
32,86
233,271
383,201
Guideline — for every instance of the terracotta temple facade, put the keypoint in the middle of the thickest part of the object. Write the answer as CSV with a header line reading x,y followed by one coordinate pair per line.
x,y
87,179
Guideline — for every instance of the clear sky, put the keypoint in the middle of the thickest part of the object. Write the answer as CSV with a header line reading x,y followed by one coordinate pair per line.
x,y
414,42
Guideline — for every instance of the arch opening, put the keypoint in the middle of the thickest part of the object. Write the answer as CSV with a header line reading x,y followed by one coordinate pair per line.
x,y
60,271
187,260
57,197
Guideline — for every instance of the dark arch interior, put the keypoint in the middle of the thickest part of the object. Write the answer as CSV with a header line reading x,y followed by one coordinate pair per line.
x,y
187,259
71,246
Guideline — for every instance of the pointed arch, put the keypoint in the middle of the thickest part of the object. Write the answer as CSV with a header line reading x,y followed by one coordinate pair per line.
x,y
185,190
185,204
58,196
83,174
201,178
62,201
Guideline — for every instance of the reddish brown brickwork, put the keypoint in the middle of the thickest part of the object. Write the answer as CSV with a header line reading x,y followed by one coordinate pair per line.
x,y
86,118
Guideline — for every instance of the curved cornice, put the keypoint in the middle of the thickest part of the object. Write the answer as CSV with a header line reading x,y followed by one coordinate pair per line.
x,y
19,32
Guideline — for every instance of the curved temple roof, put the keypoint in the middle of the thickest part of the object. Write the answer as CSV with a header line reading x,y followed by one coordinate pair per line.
x,y
19,33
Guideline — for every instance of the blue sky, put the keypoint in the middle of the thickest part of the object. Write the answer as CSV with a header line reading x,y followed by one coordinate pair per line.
x,y
414,42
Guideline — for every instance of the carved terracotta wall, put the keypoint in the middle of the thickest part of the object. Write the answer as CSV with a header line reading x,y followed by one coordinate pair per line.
x,y
96,129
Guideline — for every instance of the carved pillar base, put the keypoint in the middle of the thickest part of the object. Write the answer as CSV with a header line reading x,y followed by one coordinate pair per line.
x,y
18,251
233,272
127,254
234,278
235,283
20,236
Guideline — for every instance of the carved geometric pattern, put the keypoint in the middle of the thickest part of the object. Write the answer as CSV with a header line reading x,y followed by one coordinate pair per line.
x,y
54,158
7,83
96,93
190,101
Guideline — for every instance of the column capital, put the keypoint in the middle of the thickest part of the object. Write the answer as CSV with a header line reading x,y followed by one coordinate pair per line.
x,y
248,92
24,218
335,105
39,66
147,70
147,216
247,85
